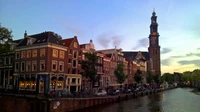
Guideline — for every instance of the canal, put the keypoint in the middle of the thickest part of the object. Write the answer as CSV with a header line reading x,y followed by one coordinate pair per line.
x,y
175,100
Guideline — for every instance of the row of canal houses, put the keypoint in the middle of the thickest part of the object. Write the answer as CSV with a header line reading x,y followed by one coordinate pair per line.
x,y
45,61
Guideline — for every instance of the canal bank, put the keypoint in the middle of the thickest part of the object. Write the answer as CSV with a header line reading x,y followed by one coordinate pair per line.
x,y
30,103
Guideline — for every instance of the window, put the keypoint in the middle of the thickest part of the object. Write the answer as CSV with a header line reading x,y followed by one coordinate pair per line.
x,y
23,55
42,65
61,66
75,45
69,61
16,66
17,55
28,66
73,80
55,53
75,54
42,52
22,66
62,54
70,51
34,53
54,65
34,65
74,63
73,71
6,60
28,54
11,60
69,71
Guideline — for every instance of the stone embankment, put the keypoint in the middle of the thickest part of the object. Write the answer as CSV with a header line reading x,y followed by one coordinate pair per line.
x,y
9,103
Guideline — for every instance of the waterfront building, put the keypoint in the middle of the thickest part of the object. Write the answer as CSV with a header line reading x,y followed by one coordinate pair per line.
x,y
72,62
39,63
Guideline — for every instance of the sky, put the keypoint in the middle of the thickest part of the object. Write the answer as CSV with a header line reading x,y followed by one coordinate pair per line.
x,y
109,23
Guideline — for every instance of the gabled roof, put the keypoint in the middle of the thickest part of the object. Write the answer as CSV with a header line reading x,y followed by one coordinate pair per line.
x,y
67,42
17,41
42,38
132,54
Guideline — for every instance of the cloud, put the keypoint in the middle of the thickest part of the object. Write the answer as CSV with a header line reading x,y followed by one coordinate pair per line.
x,y
165,62
144,42
74,30
177,56
165,50
105,39
193,54
186,62
116,40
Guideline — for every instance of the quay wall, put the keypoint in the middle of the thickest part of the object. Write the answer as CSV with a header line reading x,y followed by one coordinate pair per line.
x,y
15,103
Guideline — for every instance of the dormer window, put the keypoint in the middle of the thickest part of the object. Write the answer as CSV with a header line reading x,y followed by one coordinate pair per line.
x,y
29,41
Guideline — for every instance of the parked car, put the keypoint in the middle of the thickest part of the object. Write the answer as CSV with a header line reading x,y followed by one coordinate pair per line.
x,y
127,91
100,92
115,92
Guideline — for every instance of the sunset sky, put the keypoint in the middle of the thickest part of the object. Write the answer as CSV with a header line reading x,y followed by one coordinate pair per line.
x,y
110,23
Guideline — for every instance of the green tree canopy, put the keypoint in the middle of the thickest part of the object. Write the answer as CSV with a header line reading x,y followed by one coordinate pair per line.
x,y
150,77
119,73
168,77
138,76
88,65
5,40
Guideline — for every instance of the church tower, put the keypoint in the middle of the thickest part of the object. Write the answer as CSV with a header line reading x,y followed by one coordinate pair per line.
x,y
154,47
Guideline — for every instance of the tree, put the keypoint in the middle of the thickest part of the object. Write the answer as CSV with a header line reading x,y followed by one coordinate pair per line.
x,y
156,79
149,76
119,73
88,65
168,77
138,76
5,39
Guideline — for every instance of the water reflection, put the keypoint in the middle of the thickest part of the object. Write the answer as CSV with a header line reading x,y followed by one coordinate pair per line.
x,y
176,100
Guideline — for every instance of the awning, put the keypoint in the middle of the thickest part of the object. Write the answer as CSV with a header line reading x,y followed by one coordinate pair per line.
x,y
27,78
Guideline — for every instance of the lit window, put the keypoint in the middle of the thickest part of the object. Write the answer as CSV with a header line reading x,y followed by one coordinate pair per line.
x,y
42,65
62,54
34,65
28,66
23,54
55,53
42,52
28,54
54,65
34,53
75,45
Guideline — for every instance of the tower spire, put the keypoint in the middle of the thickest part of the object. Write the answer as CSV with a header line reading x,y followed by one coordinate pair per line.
x,y
154,13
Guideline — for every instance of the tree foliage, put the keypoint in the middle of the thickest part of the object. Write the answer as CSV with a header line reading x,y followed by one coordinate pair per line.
x,y
138,76
88,66
150,77
119,73
167,77
5,39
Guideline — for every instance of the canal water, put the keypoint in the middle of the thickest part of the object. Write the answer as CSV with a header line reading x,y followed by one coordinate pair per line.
x,y
175,100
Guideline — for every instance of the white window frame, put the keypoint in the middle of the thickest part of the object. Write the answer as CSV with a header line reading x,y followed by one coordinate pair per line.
x,y
34,62
42,62
73,63
16,57
24,66
33,53
41,52
27,54
28,63
54,62
55,50
24,55
63,54
61,63
17,70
